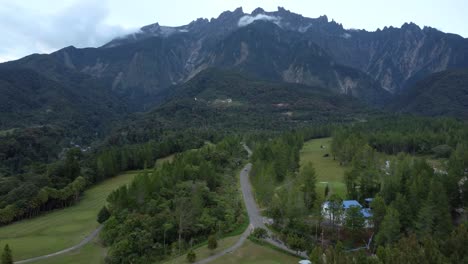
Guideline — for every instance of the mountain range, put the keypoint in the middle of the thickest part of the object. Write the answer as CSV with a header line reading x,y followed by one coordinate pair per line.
x,y
89,89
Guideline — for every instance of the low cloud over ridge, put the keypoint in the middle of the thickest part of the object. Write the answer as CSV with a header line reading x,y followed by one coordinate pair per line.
x,y
248,19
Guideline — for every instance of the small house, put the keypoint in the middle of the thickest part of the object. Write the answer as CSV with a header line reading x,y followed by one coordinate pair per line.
x,y
346,204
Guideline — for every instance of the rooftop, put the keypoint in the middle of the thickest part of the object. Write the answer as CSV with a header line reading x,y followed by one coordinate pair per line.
x,y
348,203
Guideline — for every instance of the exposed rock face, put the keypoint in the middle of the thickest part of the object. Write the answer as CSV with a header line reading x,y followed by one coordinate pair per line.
x,y
398,57
276,45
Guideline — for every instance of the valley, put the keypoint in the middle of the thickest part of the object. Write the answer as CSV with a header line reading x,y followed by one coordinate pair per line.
x,y
250,137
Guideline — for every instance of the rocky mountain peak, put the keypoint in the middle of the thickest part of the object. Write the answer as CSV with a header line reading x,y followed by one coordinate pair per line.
x,y
257,11
410,27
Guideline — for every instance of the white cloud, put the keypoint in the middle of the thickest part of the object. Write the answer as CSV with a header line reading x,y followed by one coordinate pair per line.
x,y
26,30
248,19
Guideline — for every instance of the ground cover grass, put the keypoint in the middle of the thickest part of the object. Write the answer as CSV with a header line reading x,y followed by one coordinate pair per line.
x,y
62,228
92,252
328,171
252,253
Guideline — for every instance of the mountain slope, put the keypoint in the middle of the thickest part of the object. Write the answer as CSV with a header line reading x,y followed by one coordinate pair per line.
x,y
231,101
444,93
29,99
264,49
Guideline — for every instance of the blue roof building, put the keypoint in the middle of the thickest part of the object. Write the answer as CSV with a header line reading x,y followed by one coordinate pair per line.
x,y
366,212
348,203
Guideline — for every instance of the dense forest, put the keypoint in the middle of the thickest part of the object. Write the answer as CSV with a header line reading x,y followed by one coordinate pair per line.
x,y
169,209
42,185
417,211
416,206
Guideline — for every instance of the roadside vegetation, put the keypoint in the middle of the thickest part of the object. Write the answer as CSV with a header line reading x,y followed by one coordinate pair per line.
x,y
177,206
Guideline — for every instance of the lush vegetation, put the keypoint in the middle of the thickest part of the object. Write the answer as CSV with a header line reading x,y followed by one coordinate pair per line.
x,y
288,192
415,205
42,186
63,228
440,94
176,206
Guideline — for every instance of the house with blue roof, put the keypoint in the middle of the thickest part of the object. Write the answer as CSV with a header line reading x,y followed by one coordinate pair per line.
x,y
328,211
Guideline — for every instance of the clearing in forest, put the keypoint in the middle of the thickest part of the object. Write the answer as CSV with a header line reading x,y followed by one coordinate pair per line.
x,y
328,170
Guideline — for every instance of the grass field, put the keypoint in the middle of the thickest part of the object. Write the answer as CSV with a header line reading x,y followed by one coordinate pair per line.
x,y
63,228
251,253
328,170
91,253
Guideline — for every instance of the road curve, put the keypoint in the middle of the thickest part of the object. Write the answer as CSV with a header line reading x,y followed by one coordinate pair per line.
x,y
256,219
75,247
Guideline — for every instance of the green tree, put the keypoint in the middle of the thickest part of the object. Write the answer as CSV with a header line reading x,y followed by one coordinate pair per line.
x,y
212,242
191,256
295,242
390,228
7,256
354,220
308,187
316,255
378,211
260,233
103,215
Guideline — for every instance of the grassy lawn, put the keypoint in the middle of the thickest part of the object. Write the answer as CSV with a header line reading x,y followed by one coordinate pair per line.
x,y
93,253
63,228
253,253
169,158
328,170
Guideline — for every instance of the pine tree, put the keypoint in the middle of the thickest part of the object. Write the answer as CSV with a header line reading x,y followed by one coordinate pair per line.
x,y
390,228
378,211
354,220
309,180
437,198
7,256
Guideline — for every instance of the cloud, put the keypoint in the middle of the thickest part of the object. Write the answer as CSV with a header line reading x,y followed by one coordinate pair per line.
x,y
82,24
248,19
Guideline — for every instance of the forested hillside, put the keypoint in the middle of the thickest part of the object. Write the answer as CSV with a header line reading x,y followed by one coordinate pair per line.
x,y
416,203
440,94
174,207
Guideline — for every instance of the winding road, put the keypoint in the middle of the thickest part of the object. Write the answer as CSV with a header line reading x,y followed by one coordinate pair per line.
x,y
255,218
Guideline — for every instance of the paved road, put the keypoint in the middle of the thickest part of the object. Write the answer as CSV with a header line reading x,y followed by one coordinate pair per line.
x,y
78,246
256,219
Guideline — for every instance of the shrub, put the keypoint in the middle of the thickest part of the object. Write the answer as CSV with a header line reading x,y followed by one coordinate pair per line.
x,y
191,256
212,242
260,233
103,215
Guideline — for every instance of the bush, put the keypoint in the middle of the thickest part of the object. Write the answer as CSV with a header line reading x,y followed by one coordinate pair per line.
x,y
7,256
442,151
212,242
260,233
191,256
103,215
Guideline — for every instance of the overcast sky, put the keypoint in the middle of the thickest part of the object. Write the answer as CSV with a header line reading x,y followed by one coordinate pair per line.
x,y
43,26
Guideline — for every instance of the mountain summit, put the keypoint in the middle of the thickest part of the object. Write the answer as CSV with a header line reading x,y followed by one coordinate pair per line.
x,y
280,46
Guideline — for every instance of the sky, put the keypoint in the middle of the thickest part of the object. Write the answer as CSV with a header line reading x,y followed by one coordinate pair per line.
x,y
43,26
